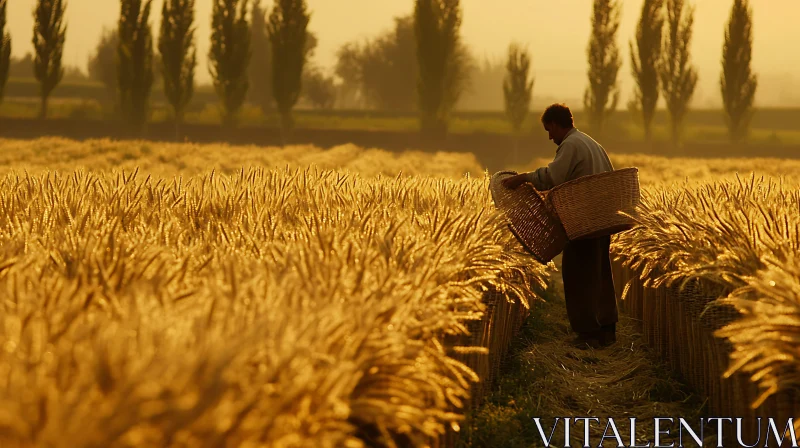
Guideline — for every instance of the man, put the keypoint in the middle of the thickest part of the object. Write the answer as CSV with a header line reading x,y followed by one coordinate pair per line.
x,y
585,264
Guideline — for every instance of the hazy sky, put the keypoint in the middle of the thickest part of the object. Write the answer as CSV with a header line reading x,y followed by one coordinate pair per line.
x,y
556,31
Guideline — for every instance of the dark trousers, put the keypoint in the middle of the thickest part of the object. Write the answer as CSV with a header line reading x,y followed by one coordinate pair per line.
x,y
588,284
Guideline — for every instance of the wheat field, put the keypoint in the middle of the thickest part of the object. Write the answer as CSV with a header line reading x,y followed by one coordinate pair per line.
x,y
207,295
272,306
741,237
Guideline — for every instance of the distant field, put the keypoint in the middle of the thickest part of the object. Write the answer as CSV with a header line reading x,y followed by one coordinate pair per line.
x,y
87,99
170,159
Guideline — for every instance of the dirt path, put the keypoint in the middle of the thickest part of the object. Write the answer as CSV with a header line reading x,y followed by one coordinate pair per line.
x,y
550,378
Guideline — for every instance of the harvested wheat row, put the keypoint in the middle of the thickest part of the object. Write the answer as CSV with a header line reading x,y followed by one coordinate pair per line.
x,y
277,307
742,237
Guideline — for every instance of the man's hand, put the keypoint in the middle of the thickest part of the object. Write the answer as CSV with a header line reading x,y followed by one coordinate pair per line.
x,y
515,181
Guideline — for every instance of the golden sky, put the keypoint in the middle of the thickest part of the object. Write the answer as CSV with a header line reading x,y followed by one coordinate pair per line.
x,y
557,36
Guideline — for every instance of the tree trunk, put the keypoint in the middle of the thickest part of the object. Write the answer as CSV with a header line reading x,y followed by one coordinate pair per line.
x,y
433,128
287,125
43,108
737,129
596,123
229,120
139,117
648,129
178,122
676,133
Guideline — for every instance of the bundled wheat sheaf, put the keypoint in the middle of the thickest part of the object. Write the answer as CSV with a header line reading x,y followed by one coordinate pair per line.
x,y
276,307
742,237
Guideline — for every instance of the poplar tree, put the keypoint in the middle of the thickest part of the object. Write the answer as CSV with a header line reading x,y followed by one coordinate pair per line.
x,y
103,64
737,81
602,95
260,68
135,61
178,55
49,32
441,65
318,88
288,24
517,90
645,57
677,76
229,56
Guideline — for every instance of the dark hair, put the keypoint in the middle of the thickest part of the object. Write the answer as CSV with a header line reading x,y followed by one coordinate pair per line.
x,y
558,114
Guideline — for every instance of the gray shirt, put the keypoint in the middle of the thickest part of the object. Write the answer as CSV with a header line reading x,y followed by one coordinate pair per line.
x,y
578,155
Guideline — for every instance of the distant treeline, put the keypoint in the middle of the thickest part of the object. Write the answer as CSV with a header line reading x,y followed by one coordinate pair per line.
x,y
368,75
265,56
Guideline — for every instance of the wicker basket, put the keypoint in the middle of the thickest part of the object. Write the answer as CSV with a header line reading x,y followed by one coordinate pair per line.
x,y
530,216
590,206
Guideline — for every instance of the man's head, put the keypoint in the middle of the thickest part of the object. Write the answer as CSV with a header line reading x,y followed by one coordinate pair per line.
x,y
557,121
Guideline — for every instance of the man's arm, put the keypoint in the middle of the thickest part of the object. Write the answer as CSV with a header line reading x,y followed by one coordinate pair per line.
x,y
556,172
540,179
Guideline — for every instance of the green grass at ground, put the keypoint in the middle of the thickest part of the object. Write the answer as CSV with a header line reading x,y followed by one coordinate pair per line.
x,y
252,116
504,419
56,108
90,90
715,133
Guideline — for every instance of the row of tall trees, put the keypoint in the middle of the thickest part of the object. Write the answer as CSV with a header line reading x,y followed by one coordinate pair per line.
x,y
420,65
127,63
662,68
49,31
281,41
386,72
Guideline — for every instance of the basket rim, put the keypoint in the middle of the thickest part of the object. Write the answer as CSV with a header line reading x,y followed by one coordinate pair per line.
x,y
592,177
574,223
499,184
